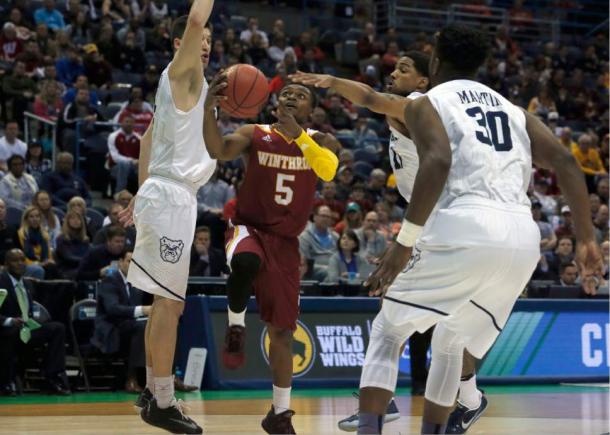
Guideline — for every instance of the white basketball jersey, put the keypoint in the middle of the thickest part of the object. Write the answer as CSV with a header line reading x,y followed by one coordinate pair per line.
x,y
403,158
491,153
178,149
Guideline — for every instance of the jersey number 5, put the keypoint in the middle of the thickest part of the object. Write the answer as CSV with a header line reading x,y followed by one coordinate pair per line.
x,y
494,130
283,193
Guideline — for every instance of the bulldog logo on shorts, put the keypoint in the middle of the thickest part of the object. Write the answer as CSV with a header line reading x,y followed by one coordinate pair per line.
x,y
171,250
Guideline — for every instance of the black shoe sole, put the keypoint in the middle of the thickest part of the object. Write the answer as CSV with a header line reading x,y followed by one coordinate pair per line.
x,y
161,425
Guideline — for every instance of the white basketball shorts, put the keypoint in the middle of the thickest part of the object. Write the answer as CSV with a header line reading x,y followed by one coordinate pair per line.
x,y
165,215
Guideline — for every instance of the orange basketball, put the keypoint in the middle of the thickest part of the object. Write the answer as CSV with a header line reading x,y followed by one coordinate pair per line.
x,y
247,91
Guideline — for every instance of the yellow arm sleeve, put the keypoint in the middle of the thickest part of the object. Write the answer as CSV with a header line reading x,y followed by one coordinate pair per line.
x,y
322,160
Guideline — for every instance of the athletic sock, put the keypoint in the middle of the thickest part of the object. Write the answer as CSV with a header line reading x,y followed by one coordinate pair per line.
x,y
281,399
427,428
370,423
150,380
164,391
469,395
237,318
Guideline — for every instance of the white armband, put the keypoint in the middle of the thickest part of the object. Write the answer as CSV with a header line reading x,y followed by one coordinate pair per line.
x,y
409,232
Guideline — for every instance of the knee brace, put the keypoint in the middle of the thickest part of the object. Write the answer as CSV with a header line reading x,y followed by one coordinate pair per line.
x,y
244,268
445,368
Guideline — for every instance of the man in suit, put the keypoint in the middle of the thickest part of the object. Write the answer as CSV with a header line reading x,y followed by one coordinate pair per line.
x,y
206,260
119,324
98,262
15,335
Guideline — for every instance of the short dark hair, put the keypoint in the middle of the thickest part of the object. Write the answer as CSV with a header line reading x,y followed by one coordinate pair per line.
x,y
115,231
565,265
464,48
203,229
14,157
421,61
313,97
178,27
352,235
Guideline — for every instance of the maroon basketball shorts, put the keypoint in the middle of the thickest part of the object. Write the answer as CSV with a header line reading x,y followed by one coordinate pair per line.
x,y
277,284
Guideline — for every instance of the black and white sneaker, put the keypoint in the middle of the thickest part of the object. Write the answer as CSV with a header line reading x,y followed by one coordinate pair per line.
x,y
143,399
462,418
350,424
171,419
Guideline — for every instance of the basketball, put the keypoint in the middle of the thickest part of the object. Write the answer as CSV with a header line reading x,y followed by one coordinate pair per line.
x,y
247,91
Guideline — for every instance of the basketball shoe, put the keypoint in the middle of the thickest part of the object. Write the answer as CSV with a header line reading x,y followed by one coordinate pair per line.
x,y
143,399
278,423
171,419
350,424
233,355
462,418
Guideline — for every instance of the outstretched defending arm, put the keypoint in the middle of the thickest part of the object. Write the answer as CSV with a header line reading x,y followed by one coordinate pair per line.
x,y
356,92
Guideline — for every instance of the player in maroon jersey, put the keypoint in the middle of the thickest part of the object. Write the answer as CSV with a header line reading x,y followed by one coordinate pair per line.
x,y
283,162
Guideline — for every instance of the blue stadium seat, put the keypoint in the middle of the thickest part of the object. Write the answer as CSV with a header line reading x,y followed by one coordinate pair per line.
x,y
97,219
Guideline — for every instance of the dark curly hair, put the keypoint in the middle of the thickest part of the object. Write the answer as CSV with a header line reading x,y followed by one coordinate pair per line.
x,y
463,48
420,60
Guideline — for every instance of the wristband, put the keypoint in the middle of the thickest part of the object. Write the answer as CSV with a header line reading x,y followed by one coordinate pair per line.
x,y
409,232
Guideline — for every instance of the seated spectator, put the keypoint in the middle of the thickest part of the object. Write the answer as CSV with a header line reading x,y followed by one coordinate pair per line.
x,y
10,45
16,335
601,224
602,190
338,116
97,69
123,153
352,219
345,179
8,233
211,199
116,11
80,29
81,82
70,66
605,248
328,197
63,184
246,35
565,138
31,57
309,63
141,113
542,104
101,236
158,10
389,59
595,204
391,196
72,244
17,188
347,265
218,58
10,144
306,42
48,103
376,185
134,27
123,197
206,260
50,221
319,122
568,274
373,243
365,137
370,44
588,159
82,112
19,90
358,195
257,50
277,50
130,57
318,242
386,227
79,205
98,262
119,306
547,202
50,16
226,124
548,239
564,253
35,163
566,226
149,83
34,241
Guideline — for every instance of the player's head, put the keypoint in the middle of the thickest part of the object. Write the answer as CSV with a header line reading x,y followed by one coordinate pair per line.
x,y
410,74
458,53
298,100
178,28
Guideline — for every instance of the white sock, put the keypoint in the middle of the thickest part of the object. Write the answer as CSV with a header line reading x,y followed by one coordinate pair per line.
x,y
469,395
237,318
281,399
150,380
164,391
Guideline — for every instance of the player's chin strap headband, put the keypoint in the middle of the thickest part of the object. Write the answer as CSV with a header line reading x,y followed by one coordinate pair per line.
x,y
409,232
322,160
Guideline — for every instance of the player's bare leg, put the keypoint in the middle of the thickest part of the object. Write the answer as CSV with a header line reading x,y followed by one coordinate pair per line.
x,y
147,394
278,420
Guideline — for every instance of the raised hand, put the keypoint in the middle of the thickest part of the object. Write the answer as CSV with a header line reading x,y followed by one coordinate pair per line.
x,y
215,91
286,123
126,215
315,80
393,261
589,261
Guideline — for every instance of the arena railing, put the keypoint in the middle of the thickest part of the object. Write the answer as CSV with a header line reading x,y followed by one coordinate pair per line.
x,y
42,129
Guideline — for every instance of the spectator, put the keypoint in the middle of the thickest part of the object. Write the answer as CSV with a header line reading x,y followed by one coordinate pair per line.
x,y
19,90
31,57
139,34
602,190
48,103
8,233
391,196
568,274
595,203
63,184
319,121
338,116
564,253
358,195
246,35
118,11
34,241
546,201
309,63
329,199
566,138
17,335
50,222
370,44
542,104
80,111
70,66
226,124
605,248
347,265
45,41
601,224
97,69
101,260
257,50
553,123
211,199
10,144
123,197
279,47
79,29
371,239
305,43
82,82
588,158
158,10
376,184
101,236
130,57
566,227
123,152
10,45
386,227
17,188
352,219
238,51
346,159
149,82
72,244
50,16
218,58
35,163
141,113
79,205
119,306
365,136
318,243
206,260
548,239
158,40
389,59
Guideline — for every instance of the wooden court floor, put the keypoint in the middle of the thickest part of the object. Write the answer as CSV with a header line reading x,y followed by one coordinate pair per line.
x,y
512,410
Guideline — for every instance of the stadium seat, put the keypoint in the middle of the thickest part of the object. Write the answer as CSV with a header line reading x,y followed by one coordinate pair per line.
x,y
40,313
13,215
82,326
97,219
565,292
364,155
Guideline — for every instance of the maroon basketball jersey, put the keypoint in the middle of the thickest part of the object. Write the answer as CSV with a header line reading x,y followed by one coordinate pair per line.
x,y
278,191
